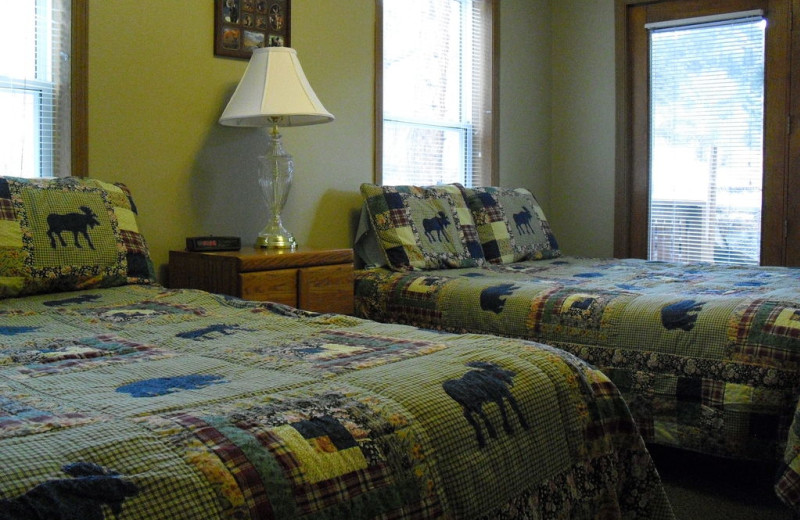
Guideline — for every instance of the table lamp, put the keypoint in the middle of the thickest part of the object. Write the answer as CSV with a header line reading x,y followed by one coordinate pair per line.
x,y
274,92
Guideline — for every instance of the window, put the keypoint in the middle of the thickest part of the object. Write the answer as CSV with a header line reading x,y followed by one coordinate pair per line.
x,y
704,132
35,95
434,94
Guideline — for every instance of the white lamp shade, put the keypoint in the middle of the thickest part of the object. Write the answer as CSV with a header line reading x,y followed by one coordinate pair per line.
x,y
274,90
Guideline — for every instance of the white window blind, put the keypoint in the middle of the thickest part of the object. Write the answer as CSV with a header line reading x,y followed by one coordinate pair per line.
x,y
706,136
436,92
34,88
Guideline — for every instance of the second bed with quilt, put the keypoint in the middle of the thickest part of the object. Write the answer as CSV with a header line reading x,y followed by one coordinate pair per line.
x,y
706,356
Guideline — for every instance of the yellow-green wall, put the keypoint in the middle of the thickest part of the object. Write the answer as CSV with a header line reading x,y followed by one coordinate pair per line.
x,y
583,126
156,91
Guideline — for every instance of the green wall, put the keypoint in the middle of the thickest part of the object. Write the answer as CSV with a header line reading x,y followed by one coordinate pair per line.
x,y
156,91
525,79
583,126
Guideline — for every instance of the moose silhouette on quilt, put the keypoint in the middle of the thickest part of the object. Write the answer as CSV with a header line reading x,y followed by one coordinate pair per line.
x,y
494,298
681,315
72,222
488,383
78,498
523,221
436,224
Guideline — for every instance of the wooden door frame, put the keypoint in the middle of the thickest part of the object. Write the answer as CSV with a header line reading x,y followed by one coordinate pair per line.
x,y
632,139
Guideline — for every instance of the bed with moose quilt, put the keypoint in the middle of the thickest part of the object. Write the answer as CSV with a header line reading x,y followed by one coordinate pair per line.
x,y
707,357
123,399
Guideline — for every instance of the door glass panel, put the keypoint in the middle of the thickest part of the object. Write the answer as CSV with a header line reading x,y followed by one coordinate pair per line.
x,y
706,142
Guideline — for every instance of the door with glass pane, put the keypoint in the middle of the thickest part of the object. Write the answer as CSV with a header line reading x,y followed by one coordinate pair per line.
x,y
706,128
708,106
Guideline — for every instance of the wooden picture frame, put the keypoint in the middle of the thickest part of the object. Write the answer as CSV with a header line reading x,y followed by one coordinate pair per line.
x,y
243,25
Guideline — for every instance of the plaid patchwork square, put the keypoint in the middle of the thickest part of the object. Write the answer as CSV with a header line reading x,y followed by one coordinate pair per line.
x,y
134,242
235,459
766,330
492,210
788,487
511,225
784,321
423,227
398,217
713,393
7,210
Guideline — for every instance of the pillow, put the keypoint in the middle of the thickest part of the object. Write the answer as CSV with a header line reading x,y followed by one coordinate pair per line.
x,y
511,225
64,234
367,249
423,227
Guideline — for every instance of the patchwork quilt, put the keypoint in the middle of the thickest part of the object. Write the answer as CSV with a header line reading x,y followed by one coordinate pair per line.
x,y
707,357
140,402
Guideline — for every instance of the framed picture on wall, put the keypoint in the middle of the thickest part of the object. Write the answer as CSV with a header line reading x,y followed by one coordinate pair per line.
x,y
243,25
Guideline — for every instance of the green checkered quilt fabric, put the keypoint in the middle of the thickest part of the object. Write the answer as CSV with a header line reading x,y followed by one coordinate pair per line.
x,y
140,402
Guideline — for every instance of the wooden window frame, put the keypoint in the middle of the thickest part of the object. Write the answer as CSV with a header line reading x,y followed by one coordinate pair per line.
x,y
79,94
780,229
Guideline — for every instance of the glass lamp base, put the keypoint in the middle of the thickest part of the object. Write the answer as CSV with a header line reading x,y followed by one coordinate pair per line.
x,y
275,177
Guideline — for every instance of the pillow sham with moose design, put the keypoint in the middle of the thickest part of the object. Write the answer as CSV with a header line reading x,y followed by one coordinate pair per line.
x,y
64,234
511,225
423,227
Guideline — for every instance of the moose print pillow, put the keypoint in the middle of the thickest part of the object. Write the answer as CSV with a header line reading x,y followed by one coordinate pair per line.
x,y
423,227
63,234
511,225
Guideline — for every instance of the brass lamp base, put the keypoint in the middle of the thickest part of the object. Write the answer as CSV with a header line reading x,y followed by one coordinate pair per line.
x,y
275,236
276,242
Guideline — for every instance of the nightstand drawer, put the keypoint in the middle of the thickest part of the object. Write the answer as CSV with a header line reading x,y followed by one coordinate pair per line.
x,y
318,280
276,286
327,288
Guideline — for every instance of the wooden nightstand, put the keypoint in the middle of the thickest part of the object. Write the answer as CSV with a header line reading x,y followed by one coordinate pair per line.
x,y
314,280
